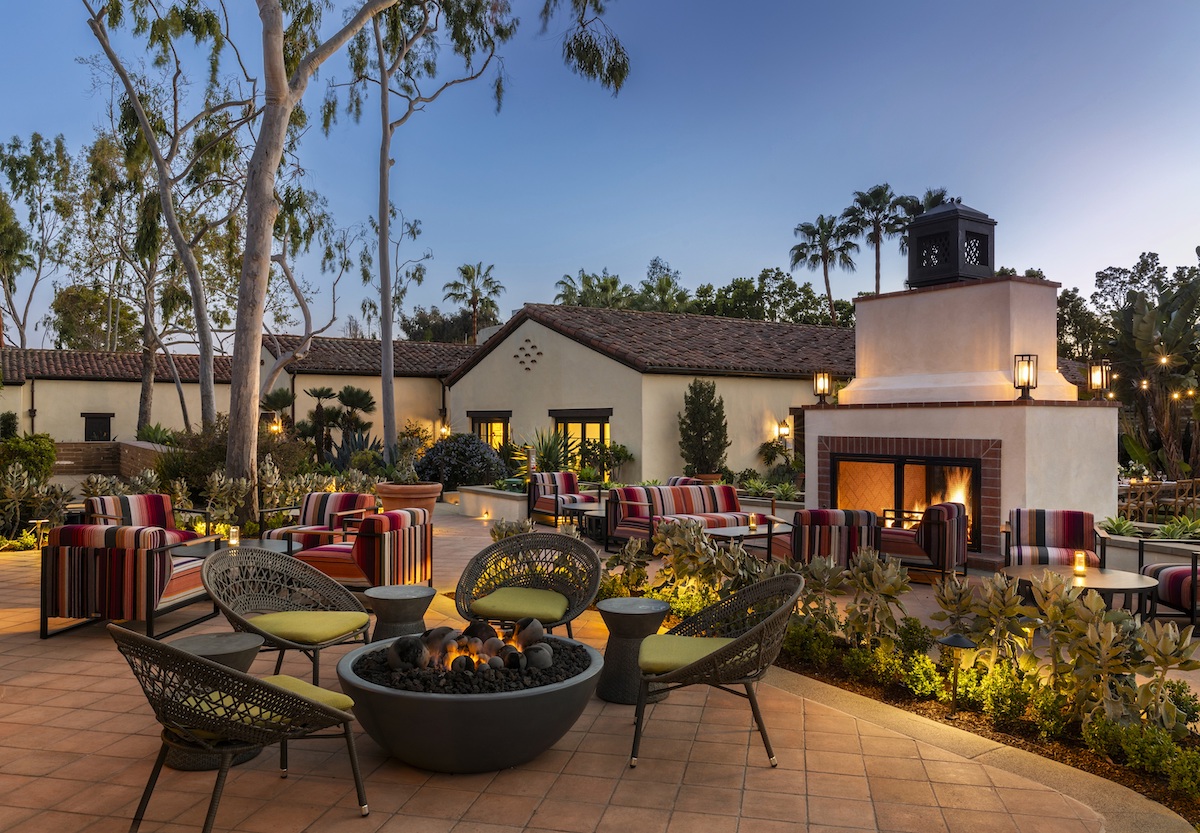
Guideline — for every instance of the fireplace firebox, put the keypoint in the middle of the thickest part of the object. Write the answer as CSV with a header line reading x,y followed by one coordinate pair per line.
x,y
899,488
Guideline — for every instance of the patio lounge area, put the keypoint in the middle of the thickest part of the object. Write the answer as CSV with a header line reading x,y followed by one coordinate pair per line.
x,y
77,741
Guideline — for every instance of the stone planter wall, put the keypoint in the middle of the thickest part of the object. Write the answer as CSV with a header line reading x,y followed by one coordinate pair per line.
x,y
478,501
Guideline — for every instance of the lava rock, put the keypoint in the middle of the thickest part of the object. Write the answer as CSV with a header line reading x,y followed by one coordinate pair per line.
x,y
540,655
407,653
495,662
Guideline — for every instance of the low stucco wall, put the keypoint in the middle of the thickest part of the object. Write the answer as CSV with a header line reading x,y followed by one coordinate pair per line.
x,y
486,502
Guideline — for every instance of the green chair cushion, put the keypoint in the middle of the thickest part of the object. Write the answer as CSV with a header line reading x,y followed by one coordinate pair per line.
x,y
508,604
333,699
310,627
664,652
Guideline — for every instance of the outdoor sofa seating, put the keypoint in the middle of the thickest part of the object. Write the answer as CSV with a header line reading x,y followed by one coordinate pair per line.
x,y
98,572
637,511
1051,536
323,517
1177,582
840,533
684,480
548,490
937,543
142,510
388,548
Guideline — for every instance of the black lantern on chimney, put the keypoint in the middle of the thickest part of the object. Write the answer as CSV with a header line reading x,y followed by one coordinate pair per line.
x,y
1025,373
950,242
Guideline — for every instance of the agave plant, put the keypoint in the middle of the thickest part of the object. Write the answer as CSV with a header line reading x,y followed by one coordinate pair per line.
x,y
1165,649
1119,525
1180,528
502,529
785,491
823,582
145,482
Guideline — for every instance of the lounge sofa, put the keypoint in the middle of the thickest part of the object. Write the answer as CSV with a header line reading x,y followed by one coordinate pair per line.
x,y
389,548
637,511
549,490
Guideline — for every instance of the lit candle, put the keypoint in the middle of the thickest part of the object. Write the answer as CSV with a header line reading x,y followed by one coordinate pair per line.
x,y
235,536
752,522
1080,563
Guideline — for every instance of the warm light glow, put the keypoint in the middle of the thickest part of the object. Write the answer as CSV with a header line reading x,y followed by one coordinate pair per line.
x,y
752,522
1080,563
1025,373
1175,394
784,430
276,426
235,536
486,514
822,385
1111,395
1145,385
958,490
1164,359
1099,375
444,430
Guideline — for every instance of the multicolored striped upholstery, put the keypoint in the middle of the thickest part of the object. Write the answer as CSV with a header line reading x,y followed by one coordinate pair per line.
x,y
1176,586
390,548
137,510
549,489
323,512
635,511
938,541
1050,536
683,480
99,571
825,532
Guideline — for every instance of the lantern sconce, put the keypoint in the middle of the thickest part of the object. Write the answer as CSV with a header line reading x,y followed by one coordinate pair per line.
x,y
822,385
1099,375
1025,373
783,431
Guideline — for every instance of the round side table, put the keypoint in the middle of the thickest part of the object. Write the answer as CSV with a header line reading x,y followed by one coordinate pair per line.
x,y
235,650
629,621
399,609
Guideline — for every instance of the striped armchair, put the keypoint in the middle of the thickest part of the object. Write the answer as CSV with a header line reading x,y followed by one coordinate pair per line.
x,y
142,510
825,532
390,548
684,480
938,541
97,572
635,511
323,517
548,490
1051,536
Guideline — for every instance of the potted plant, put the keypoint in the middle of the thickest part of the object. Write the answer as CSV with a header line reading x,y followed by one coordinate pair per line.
x,y
703,434
406,489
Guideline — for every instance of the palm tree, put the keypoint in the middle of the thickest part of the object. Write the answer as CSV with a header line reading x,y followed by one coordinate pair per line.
x,y
825,241
876,214
916,206
477,290
320,419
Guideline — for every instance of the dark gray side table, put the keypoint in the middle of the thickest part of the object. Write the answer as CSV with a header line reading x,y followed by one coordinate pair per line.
x,y
629,621
399,609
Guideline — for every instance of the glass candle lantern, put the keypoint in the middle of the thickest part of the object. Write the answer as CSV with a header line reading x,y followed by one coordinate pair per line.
x,y
1080,563
752,522
235,536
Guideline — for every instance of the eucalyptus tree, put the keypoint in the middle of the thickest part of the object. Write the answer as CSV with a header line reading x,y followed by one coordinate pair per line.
x,y
477,290
877,214
824,242
42,194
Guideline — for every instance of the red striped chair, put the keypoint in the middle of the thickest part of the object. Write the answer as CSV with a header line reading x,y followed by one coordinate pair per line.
x,y
1177,583
322,518
142,510
98,572
683,480
825,532
390,548
1051,536
636,511
938,541
548,490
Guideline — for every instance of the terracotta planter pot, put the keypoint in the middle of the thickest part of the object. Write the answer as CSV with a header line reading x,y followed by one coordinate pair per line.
x,y
421,495
707,479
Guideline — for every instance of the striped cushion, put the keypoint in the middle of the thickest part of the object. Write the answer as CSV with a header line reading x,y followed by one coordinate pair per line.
x,y
1067,529
825,532
319,513
546,503
391,548
1175,583
631,508
546,482
681,480
939,539
92,570
1061,556
708,520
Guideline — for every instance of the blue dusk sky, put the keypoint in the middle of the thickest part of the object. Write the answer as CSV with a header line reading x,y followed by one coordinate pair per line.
x,y
1072,123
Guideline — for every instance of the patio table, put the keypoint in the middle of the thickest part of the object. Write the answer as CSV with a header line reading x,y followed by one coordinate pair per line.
x,y
1107,582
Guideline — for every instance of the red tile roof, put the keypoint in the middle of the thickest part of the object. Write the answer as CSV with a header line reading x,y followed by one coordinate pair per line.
x,y
361,356
675,343
18,365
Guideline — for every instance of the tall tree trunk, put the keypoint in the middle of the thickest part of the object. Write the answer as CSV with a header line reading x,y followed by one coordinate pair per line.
x,y
878,246
146,397
829,292
387,371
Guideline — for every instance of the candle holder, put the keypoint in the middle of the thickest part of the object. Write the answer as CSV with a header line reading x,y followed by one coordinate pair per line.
x,y
1080,563
752,522
235,536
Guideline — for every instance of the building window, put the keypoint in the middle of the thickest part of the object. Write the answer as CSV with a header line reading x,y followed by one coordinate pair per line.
x,y
97,428
490,426
583,425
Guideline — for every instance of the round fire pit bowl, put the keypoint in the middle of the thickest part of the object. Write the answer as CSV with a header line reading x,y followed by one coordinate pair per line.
x,y
466,733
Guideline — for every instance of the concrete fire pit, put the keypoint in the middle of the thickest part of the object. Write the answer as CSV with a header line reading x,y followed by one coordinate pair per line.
x,y
468,732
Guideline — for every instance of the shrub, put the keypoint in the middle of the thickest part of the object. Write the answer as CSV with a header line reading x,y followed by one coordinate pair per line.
x,y
460,460
156,434
1103,736
502,529
856,662
1183,772
35,452
1119,525
807,642
1048,708
703,433
914,637
921,676
887,667
1147,747
1187,703
9,425
970,688
1005,695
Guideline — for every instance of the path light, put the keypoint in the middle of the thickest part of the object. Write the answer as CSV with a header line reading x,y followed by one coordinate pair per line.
x,y
822,385
957,643
1025,373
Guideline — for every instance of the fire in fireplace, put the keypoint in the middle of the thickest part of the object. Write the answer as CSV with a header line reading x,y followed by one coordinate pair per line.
x,y
899,488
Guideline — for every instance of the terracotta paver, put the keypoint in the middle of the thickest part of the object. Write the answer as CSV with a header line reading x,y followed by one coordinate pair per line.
x,y
77,740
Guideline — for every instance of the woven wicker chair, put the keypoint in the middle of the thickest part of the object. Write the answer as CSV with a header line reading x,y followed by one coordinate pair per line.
x,y
535,561
249,580
207,708
748,628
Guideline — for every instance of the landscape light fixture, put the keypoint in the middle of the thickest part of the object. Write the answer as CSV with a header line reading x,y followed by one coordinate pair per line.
x,y
822,385
957,643
1025,373
1099,374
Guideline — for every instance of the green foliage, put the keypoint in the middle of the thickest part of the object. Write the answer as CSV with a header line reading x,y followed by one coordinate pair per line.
x,y
1000,617
877,584
602,458
460,460
1187,703
1005,695
1119,526
685,598
502,529
887,667
1049,711
1147,747
1103,736
922,677
785,491
856,662
970,688
156,434
353,443
806,641
1183,773
553,451
756,488
225,495
823,583
913,636
9,425
956,600
703,433
1179,527
625,572
35,453
1164,649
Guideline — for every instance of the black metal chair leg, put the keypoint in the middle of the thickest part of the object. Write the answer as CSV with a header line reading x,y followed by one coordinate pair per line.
x,y
218,788
283,759
358,782
316,661
758,721
141,809
643,691
279,660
